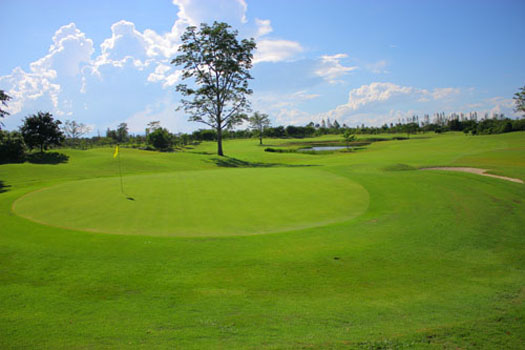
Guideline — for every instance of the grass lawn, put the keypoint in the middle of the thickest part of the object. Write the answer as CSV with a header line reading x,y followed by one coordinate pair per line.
x,y
260,250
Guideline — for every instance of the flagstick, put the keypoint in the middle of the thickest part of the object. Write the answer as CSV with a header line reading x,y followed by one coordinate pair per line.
x,y
120,171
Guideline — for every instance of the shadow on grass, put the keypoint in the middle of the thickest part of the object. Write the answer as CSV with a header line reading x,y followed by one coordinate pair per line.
x,y
204,153
47,158
229,162
4,187
398,167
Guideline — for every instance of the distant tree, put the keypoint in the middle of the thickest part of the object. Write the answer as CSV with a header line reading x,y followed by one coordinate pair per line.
x,y
3,103
122,133
111,134
259,121
152,126
74,130
160,138
410,128
349,137
336,124
41,130
219,65
519,100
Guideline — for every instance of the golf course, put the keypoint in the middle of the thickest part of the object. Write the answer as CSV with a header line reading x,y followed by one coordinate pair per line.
x,y
357,248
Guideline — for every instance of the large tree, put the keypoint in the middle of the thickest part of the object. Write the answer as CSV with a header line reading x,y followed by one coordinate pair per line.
x,y
219,65
259,122
3,103
41,130
519,100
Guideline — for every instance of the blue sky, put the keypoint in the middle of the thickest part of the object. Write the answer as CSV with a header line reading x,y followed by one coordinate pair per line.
x,y
103,63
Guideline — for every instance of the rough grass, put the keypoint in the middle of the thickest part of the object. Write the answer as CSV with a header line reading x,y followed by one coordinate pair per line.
x,y
436,261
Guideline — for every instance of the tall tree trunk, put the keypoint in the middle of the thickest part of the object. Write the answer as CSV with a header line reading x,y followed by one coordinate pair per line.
x,y
260,140
41,148
219,142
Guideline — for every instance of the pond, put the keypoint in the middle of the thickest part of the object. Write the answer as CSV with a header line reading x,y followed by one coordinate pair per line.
x,y
322,148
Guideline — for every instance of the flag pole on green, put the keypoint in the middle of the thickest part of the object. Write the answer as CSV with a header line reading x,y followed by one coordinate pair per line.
x,y
115,155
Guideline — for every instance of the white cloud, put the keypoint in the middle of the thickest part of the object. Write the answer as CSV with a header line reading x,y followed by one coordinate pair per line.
x,y
69,52
331,69
442,93
263,27
375,92
161,75
194,12
276,50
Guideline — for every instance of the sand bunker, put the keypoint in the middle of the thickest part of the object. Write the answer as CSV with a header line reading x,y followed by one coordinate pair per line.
x,y
475,171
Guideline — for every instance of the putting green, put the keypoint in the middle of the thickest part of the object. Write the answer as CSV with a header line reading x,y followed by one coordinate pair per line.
x,y
199,203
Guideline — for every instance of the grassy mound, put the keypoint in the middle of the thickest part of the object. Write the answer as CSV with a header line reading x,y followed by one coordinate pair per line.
x,y
199,203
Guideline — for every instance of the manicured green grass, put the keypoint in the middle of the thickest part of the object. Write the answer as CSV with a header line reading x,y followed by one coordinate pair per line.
x,y
435,262
199,203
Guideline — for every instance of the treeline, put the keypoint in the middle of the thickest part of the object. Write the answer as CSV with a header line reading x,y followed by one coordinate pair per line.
x,y
469,124
42,132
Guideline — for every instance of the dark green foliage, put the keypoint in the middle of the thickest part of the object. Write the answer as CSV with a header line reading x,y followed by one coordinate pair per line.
x,y
47,158
299,131
41,130
12,147
160,138
349,137
278,131
219,66
120,135
3,102
280,150
204,135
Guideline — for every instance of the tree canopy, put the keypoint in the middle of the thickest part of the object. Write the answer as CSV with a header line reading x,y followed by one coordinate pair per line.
x,y
3,103
219,66
41,130
259,122
519,100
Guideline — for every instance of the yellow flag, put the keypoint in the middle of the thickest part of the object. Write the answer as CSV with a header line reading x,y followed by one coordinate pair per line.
x,y
116,152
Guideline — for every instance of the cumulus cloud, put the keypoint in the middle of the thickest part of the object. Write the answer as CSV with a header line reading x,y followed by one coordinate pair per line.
x,y
194,12
331,69
276,50
263,27
373,93
68,53
165,75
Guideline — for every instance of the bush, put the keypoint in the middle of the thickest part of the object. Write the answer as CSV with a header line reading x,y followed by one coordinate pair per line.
x,y
160,139
12,147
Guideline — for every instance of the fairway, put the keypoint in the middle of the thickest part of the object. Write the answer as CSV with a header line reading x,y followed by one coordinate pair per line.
x,y
199,203
258,250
